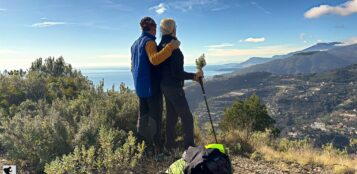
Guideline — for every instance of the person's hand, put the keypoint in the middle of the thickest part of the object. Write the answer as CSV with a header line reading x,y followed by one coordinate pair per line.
x,y
175,43
198,76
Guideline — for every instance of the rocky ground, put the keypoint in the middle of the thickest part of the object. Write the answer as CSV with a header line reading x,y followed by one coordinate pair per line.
x,y
244,165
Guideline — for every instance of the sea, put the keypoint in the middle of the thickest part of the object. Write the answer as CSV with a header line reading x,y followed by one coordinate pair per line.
x,y
117,75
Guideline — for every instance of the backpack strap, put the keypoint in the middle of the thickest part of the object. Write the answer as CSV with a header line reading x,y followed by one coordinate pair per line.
x,y
220,147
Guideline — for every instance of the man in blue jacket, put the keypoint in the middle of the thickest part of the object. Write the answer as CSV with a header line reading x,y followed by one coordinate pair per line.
x,y
144,58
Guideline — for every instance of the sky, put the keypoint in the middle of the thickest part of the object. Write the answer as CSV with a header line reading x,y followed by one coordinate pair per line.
x,y
99,33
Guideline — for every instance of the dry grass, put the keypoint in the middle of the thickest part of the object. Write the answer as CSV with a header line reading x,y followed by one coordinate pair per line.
x,y
154,164
343,170
282,150
332,159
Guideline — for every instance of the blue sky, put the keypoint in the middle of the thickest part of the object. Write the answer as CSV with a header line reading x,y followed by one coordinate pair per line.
x,y
91,33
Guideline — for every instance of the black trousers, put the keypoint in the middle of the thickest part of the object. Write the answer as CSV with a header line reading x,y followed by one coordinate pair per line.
x,y
177,106
150,118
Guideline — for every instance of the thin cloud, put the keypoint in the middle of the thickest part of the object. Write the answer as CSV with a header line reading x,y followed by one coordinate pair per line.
x,y
345,9
47,24
349,41
254,40
256,5
220,8
258,51
117,6
159,9
3,9
187,5
222,45
191,4
93,25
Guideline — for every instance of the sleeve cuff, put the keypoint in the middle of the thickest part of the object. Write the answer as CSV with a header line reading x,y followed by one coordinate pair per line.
x,y
170,46
191,75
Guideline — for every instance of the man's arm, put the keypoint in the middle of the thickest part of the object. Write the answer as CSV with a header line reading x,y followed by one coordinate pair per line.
x,y
177,69
155,57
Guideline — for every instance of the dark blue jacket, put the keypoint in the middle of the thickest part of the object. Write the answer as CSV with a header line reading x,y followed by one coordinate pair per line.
x,y
146,81
172,71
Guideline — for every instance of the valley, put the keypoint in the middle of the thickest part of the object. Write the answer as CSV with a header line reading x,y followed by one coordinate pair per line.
x,y
320,106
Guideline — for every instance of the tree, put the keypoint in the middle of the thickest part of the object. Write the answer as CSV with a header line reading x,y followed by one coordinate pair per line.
x,y
248,115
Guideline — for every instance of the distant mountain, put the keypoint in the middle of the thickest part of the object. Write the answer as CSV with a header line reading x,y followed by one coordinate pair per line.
x,y
316,47
250,62
321,106
253,61
259,60
322,47
312,61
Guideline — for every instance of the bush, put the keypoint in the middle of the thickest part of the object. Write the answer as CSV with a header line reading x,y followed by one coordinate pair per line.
x,y
51,80
285,144
33,141
236,142
248,115
262,138
329,150
52,109
105,159
256,156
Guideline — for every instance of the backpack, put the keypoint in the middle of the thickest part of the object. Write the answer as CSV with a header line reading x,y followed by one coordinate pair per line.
x,y
203,160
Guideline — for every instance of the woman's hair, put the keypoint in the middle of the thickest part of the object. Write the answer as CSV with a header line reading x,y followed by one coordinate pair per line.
x,y
167,26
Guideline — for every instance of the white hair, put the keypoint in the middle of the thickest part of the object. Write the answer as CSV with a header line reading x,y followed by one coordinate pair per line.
x,y
167,26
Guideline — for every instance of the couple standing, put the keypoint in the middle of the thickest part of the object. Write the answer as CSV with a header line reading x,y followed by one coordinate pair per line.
x,y
158,71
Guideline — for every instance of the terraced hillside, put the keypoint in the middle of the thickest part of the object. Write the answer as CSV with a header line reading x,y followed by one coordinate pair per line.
x,y
321,106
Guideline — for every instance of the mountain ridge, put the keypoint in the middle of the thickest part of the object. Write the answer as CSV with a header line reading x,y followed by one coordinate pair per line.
x,y
259,60
308,62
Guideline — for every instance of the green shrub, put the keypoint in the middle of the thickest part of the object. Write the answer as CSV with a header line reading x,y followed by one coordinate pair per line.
x,y
248,115
285,144
256,156
51,109
236,142
330,150
105,159
262,138
33,141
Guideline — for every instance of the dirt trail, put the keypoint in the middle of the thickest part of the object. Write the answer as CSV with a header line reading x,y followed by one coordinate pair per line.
x,y
244,165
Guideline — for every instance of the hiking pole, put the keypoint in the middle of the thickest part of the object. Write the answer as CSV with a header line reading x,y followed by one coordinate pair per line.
x,y
200,63
209,113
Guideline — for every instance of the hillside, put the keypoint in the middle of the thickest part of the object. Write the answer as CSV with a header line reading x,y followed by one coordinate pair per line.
x,y
321,106
54,120
308,62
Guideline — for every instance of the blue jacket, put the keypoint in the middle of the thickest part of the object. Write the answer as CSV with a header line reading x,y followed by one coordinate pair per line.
x,y
142,69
